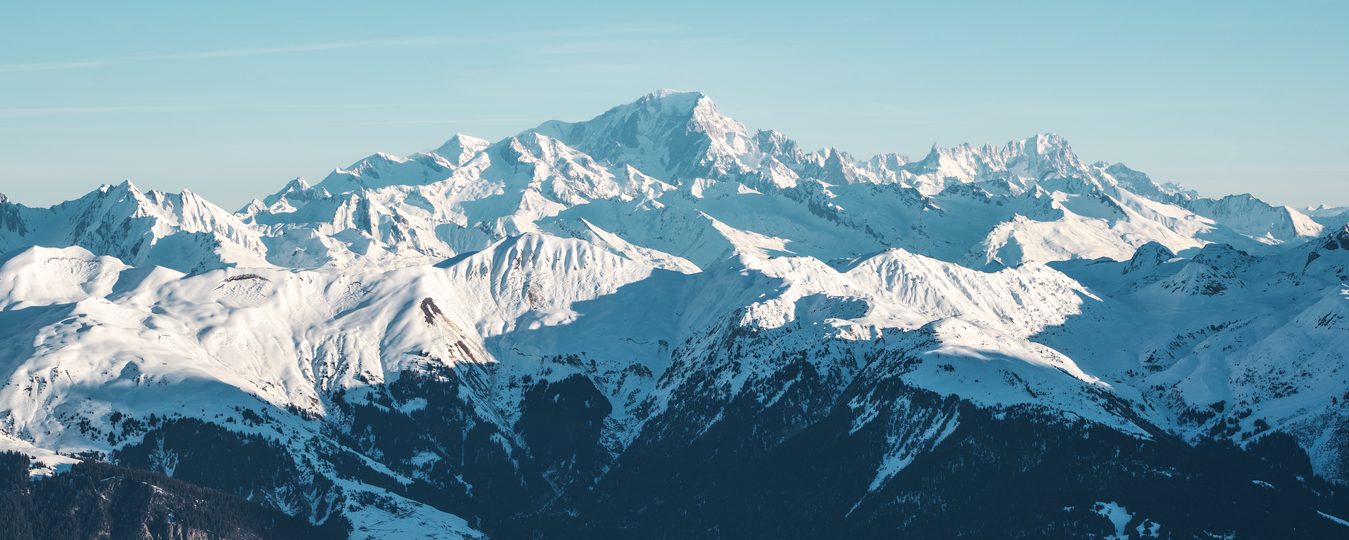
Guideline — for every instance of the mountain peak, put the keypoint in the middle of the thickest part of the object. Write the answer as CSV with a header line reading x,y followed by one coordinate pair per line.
x,y
536,145
1148,256
125,186
1047,140
1337,238
679,104
675,99
460,148
668,134
1043,145
695,107
1331,249
668,92
296,185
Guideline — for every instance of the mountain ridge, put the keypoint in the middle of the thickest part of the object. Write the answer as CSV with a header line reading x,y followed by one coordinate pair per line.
x,y
505,338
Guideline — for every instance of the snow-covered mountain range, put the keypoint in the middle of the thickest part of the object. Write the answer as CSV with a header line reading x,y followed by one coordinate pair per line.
x,y
658,322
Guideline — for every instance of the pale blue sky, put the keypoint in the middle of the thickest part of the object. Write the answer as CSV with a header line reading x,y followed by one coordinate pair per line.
x,y
232,100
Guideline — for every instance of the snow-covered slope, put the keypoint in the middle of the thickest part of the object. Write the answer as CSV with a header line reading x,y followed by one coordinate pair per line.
x,y
177,230
1225,343
499,337
673,135
1258,219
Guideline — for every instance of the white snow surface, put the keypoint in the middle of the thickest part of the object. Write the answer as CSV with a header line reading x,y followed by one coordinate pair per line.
x,y
1119,517
641,241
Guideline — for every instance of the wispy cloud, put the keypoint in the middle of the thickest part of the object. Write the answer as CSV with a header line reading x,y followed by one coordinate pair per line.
x,y
620,30
608,45
53,66
489,120
224,53
28,112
